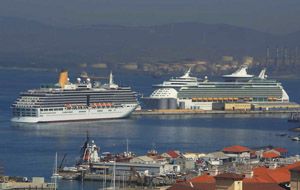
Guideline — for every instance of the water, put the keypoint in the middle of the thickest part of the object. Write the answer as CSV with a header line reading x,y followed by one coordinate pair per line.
x,y
29,150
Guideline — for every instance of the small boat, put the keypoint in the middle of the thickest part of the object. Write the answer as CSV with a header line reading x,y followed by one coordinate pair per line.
x,y
281,134
296,138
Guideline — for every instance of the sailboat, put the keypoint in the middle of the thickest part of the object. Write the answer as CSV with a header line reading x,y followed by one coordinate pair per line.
x,y
55,174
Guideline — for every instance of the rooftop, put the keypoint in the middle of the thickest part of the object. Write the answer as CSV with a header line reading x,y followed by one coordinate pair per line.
x,y
173,154
264,186
281,150
232,176
236,149
203,179
270,154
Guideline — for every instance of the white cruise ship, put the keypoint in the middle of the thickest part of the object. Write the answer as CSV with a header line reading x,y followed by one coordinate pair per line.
x,y
83,100
238,87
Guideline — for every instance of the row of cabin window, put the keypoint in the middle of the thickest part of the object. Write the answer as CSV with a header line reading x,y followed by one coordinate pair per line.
x,y
52,109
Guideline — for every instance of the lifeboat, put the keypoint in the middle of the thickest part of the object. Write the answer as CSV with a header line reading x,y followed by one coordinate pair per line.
x,y
246,98
220,99
215,99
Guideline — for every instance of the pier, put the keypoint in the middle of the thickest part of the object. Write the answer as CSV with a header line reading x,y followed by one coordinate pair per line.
x,y
199,112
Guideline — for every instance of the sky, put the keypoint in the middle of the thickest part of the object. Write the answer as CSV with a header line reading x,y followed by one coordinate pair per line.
x,y
272,16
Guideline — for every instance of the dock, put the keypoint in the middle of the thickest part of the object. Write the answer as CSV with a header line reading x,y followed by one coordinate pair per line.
x,y
202,112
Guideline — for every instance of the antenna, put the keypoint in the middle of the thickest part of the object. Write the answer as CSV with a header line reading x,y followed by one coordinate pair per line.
x,y
111,79
127,149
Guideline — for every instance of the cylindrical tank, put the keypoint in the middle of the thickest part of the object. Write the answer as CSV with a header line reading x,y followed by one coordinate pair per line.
x,y
163,103
172,103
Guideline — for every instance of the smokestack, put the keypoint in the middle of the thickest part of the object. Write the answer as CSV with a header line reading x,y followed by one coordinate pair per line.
x,y
63,78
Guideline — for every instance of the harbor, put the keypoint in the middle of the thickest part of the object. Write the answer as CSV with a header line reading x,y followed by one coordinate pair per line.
x,y
184,132
156,95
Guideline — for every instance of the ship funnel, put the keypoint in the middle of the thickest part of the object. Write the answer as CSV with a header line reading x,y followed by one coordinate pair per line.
x,y
187,74
262,74
63,78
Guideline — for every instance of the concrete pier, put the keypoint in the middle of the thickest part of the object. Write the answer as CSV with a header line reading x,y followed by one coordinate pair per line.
x,y
195,112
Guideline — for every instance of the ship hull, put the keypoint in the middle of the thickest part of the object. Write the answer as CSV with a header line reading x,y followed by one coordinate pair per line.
x,y
79,115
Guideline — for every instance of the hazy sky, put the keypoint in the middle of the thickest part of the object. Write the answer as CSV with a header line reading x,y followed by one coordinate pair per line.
x,y
274,16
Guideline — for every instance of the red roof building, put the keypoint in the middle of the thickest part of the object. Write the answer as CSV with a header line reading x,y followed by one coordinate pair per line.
x,y
203,179
173,154
236,149
281,150
261,186
270,155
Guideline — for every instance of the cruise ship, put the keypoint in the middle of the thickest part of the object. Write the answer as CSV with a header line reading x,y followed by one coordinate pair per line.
x,y
66,101
238,87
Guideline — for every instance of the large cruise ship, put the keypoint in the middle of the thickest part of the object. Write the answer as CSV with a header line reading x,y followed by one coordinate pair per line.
x,y
238,87
66,101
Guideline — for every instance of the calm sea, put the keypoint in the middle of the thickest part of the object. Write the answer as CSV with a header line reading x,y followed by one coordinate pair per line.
x,y
29,150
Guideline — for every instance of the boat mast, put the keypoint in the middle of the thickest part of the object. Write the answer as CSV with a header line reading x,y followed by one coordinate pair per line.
x,y
127,149
114,182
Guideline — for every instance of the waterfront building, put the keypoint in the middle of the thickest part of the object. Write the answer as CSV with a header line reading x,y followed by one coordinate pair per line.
x,y
142,160
237,153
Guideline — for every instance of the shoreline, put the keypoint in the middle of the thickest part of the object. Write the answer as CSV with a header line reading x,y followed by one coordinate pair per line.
x,y
292,76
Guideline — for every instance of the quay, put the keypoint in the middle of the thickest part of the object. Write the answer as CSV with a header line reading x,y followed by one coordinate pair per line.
x,y
196,112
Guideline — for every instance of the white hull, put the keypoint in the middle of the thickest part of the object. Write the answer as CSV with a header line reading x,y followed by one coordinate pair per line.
x,y
79,114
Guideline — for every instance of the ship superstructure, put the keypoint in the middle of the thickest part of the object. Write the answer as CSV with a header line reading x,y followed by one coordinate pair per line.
x,y
66,101
183,81
238,87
